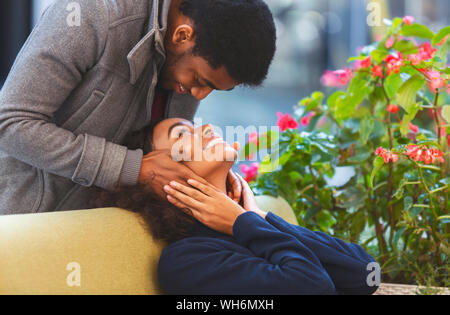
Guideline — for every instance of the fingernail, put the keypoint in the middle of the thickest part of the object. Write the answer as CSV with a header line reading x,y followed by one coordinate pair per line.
x,y
167,188
191,181
173,183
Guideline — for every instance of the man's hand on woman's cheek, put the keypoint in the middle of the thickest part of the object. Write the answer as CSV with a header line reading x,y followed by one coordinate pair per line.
x,y
158,169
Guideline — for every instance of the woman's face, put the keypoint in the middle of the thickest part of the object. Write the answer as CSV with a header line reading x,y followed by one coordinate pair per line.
x,y
198,147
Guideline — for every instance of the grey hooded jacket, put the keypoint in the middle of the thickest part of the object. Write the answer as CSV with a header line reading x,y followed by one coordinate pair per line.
x,y
71,98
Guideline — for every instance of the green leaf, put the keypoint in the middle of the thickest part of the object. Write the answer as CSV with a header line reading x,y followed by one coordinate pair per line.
x,y
392,84
267,165
440,60
332,99
358,89
446,113
407,118
406,96
407,203
365,129
441,35
356,58
295,176
405,47
396,22
378,55
358,223
377,165
417,30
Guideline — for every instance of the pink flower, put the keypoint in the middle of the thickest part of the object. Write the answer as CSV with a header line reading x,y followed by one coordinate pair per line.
x,y
392,108
380,150
286,121
253,138
424,154
394,63
386,155
250,172
415,59
408,20
426,51
344,75
306,119
436,81
329,79
377,71
413,128
390,42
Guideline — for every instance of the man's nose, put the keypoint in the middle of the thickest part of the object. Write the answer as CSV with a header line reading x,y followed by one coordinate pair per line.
x,y
200,92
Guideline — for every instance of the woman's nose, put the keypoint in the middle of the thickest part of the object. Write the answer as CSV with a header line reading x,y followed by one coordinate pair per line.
x,y
200,92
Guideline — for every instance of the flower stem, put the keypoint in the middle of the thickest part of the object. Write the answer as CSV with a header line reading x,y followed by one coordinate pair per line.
x,y
389,188
420,206
442,144
438,189
430,197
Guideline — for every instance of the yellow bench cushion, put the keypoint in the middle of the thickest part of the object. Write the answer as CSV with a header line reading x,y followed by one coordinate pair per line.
x,y
98,251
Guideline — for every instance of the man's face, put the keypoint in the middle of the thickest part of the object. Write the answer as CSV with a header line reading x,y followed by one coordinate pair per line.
x,y
185,73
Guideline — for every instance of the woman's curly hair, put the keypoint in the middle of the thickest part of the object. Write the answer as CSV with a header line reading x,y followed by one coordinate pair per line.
x,y
165,221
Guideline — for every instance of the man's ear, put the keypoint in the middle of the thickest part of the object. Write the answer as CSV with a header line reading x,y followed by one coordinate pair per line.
x,y
183,34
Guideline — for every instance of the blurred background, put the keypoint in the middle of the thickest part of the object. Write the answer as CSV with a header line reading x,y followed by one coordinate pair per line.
x,y
313,35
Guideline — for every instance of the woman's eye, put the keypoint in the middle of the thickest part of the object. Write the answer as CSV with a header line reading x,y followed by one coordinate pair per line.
x,y
179,132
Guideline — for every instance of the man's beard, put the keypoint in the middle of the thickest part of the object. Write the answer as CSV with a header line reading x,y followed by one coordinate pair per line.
x,y
167,72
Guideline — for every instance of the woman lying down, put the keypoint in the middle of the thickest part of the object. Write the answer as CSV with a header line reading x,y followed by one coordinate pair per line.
x,y
217,246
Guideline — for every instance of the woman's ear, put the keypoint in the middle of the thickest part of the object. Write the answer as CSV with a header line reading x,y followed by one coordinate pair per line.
x,y
183,34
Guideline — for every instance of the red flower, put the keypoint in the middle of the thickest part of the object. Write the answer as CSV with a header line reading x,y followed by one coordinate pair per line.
x,y
386,155
286,122
422,153
394,63
413,128
250,172
393,108
363,64
426,52
377,71
408,20
306,119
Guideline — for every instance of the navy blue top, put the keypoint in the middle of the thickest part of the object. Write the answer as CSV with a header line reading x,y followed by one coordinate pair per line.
x,y
264,256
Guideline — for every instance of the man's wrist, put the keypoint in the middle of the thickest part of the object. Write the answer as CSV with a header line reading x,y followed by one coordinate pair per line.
x,y
131,168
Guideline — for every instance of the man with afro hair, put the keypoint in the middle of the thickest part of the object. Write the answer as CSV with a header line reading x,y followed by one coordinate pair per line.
x,y
94,73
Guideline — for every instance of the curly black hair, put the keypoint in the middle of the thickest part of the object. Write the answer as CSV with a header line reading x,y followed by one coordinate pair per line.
x,y
237,34
164,221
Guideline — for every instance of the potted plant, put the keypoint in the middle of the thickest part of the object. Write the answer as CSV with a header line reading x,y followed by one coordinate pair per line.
x,y
389,120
